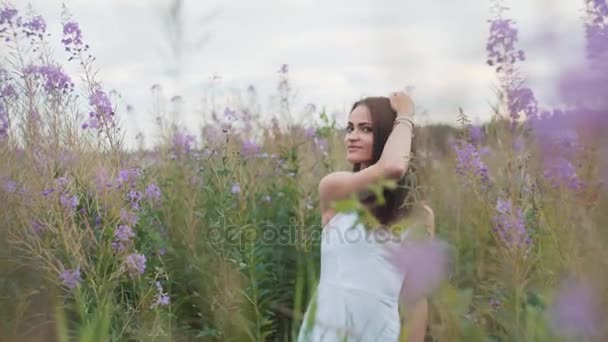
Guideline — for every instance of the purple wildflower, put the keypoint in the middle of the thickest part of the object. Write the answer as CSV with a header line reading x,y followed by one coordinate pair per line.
x,y
310,132
134,198
36,226
236,188
35,26
8,91
509,225
61,183
70,202
135,263
10,186
560,171
503,55
476,134
162,298
7,88
102,179
128,217
230,114
71,278
4,124
72,35
47,192
182,143
501,44
123,233
7,15
102,114
468,161
574,312
250,148
153,193
521,99
54,79
127,176
424,264
122,236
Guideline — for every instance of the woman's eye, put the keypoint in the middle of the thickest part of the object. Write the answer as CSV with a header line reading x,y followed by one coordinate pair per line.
x,y
349,129
367,129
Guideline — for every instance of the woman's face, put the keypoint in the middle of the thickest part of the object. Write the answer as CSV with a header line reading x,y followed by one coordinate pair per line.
x,y
359,138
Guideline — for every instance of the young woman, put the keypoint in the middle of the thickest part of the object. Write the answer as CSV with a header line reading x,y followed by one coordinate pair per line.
x,y
358,295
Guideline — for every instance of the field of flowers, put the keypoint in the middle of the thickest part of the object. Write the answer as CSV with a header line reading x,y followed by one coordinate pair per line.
x,y
215,235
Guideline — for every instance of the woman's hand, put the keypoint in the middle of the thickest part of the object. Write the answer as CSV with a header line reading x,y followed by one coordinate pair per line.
x,y
402,103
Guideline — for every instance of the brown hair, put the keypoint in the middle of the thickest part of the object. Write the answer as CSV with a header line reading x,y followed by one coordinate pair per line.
x,y
399,201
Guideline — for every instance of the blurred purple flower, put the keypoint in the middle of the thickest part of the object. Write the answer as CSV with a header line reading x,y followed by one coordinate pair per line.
x,y
7,14
153,193
134,198
560,171
34,26
230,114
68,201
122,236
102,179
10,186
61,183
250,148
236,188
501,44
182,143
310,132
128,217
503,55
521,99
4,124
476,134
55,79
36,226
72,35
574,312
135,263
161,297
129,176
509,225
424,264
468,161
8,91
101,117
123,233
71,278
7,87
47,192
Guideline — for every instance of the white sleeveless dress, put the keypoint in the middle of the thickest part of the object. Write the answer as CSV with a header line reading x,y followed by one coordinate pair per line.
x,y
357,295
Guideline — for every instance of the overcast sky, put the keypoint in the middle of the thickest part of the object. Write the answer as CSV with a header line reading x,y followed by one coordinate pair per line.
x,y
337,50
